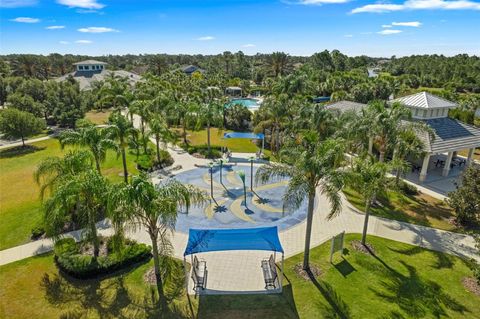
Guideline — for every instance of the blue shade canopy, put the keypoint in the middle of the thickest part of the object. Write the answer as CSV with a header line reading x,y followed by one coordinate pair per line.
x,y
205,240
250,136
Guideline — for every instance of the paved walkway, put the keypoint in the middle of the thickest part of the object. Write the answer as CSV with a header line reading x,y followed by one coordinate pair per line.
x,y
292,239
33,140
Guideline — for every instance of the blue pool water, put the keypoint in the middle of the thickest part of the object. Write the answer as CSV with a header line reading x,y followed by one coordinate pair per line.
x,y
264,207
249,103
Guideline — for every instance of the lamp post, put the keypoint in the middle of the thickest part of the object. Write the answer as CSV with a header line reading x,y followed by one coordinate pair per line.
x,y
251,159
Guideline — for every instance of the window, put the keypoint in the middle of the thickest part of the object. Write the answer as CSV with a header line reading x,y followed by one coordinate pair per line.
x,y
416,112
101,67
438,112
424,113
80,67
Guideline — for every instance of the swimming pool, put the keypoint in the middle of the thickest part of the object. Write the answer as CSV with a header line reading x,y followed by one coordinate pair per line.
x,y
249,103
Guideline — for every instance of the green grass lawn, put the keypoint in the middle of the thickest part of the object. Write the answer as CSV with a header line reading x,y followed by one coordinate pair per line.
x,y
20,207
400,281
98,117
420,209
234,145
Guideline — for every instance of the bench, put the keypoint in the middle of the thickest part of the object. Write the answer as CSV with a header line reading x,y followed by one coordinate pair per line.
x,y
269,272
199,273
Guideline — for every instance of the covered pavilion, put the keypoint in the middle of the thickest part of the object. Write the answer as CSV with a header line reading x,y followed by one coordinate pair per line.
x,y
234,260
449,135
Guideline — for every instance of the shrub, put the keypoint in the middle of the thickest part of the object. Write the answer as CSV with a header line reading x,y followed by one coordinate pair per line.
x,y
85,266
65,246
37,232
144,162
215,150
165,159
465,200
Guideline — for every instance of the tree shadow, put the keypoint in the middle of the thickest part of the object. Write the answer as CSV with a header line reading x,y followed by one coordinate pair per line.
x,y
112,298
418,297
220,209
20,151
335,307
443,260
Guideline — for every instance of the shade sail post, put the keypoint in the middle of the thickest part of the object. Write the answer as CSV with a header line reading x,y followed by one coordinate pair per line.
x,y
281,272
186,272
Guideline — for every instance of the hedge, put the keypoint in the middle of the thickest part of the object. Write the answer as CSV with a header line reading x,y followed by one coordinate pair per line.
x,y
71,262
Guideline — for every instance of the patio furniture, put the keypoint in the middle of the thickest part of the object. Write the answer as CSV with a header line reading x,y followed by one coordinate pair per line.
x,y
416,168
199,273
269,272
439,163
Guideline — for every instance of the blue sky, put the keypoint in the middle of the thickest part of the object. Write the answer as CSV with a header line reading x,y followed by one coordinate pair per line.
x,y
299,27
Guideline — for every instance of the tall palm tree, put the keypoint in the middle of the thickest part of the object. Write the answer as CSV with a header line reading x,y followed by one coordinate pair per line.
x,y
279,63
143,109
407,144
53,170
121,129
369,176
160,131
210,111
312,164
84,192
141,205
98,141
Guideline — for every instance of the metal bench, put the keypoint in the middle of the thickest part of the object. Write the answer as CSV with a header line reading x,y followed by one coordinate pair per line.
x,y
199,273
269,272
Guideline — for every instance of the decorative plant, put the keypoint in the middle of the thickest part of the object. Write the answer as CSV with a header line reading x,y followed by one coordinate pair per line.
x,y
241,174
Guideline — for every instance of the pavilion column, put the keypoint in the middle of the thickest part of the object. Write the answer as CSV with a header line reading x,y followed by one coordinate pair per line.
x,y
423,173
446,168
470,156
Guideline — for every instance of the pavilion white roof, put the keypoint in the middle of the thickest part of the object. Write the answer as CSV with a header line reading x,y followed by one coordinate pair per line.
x,y
425,100
90,62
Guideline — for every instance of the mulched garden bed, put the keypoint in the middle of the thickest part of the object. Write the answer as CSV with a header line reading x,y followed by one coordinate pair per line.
x,y
471,285
315,271
149,276
358,246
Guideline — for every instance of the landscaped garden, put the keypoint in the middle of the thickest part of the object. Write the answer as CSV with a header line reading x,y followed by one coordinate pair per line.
x,y
399,281
20,197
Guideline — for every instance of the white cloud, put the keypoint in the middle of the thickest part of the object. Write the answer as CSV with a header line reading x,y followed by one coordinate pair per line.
x,y
26,20
17,3
348,35
386,26
83,41
414,24
64,42
249,45
419,5
86,4
389,31
55,27
96,30
320,2
206,38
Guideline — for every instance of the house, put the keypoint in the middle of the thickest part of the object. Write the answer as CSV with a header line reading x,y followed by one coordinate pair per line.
x,y
88,71
449,135
190,69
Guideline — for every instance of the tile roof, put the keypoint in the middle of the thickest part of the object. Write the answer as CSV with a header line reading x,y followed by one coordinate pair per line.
x,y
90,62
450,135
86,78
425,100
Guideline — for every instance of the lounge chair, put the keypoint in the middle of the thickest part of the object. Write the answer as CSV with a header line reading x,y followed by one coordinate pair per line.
x,y
199,273
269,272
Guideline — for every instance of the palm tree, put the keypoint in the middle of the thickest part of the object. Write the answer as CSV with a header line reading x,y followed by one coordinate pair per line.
x,y
84,193
52,170
407,144
98,141
278,62
312,164
121,129
142,109
210,111
369,176
142,205
159,129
